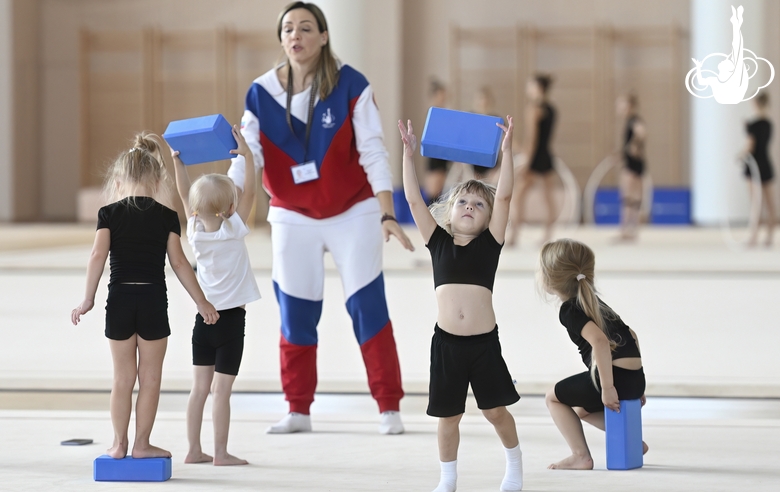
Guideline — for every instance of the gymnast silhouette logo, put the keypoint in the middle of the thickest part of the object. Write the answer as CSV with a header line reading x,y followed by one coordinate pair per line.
x,y
730,83
327,119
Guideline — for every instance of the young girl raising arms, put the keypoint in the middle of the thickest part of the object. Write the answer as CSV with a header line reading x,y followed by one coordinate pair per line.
x,y
138,231
607,346
216,227
465,246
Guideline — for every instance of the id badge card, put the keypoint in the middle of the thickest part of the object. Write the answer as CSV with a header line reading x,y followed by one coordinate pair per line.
x,y
303,173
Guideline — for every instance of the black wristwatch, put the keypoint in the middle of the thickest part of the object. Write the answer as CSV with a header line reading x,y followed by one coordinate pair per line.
x,y
388,217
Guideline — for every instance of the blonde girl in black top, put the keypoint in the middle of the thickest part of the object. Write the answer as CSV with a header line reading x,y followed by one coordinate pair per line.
x,y
465,348
138,231
608,347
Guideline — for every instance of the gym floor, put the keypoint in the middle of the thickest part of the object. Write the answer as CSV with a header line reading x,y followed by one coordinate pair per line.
x,y
704,311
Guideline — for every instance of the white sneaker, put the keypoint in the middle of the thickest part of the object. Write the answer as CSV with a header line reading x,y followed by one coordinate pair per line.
x,y
390,423
293,422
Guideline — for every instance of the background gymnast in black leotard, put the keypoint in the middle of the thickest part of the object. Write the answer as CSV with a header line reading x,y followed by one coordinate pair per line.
x,y
759,132
633,155
539,123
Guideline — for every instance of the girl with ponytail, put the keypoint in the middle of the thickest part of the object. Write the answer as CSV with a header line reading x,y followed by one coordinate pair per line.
x,y
607,345
138,232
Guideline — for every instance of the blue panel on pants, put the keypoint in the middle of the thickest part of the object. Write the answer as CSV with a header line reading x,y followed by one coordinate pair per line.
x,y
299,318
368,309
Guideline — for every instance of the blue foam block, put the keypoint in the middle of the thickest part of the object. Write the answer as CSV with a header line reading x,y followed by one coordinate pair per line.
x,y
202,139
461,137
624,436
108,469
671,206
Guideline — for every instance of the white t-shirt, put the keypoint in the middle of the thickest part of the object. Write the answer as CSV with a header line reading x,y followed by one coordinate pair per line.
x,y
224,272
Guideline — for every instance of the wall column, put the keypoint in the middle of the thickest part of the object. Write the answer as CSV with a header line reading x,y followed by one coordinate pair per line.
x,y
6,112
718,130
374,48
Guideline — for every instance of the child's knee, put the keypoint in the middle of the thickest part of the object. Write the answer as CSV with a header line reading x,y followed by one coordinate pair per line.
x,y
550,397
450,421
496,415
124,379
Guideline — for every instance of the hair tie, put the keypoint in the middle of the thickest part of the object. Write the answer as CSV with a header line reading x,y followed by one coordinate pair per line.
x,y
580,276
132,150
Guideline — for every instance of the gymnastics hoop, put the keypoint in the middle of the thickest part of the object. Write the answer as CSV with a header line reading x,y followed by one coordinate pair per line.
x,y
595,179
570,211
572,197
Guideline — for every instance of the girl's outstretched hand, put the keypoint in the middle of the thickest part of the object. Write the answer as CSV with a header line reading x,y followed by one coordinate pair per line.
x,y
408,138
243,148
506,145
609,398
175,155
83,308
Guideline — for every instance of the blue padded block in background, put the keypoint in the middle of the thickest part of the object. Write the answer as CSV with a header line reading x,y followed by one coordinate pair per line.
x,y
624,436
202,139
607,206
459,136
108,469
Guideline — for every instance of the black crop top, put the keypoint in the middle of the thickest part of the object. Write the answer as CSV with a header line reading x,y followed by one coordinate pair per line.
x,y
474,263
574,319
139,239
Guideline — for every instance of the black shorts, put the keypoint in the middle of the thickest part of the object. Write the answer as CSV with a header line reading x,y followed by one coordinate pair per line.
x,y
222,344
137,308
579,391
634,165
542,163
457,361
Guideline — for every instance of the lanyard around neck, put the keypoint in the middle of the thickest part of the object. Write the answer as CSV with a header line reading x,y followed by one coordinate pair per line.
x,y
314,87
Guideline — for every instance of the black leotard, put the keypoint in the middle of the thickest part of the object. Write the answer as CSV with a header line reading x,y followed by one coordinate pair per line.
x,y
475,263
574,319
542,161
634,164
761,131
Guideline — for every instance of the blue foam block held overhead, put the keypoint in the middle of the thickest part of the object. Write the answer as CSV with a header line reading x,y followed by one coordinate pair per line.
x,y
202,139
461,137
624,436
108,469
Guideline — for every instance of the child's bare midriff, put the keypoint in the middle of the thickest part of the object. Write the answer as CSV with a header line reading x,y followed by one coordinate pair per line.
x,y
465,309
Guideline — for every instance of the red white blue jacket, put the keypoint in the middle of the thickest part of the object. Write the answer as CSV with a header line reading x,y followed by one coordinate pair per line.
x,y
346,144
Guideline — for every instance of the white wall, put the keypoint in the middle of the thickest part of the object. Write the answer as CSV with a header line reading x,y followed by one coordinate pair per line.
x,y
6,111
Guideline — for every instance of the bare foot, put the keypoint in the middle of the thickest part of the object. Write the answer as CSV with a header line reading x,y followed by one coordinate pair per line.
x,y
117,451
573,462
229,460
644,447
198,457
150,451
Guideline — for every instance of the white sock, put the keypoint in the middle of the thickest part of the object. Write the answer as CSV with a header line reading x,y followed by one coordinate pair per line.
x,y
390,423
513,478
292,422
449,477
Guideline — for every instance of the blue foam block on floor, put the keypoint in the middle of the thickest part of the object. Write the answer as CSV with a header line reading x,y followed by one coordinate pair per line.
x,y
624,436
461,137
202,139
108,469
